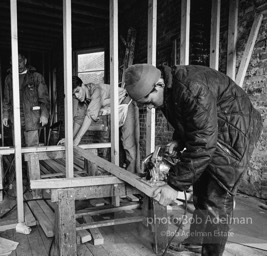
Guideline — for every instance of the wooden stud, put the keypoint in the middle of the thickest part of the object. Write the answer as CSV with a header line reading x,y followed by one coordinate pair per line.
x,y
151,59
215,34
114,79
185,32
248,50
232,38
16,108
68,86
1,178
34,172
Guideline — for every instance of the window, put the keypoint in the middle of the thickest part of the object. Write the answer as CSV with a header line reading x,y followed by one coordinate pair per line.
x,y
91,66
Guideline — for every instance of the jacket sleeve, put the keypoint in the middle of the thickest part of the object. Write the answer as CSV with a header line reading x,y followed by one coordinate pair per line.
x,y
7,102
198,106
43,96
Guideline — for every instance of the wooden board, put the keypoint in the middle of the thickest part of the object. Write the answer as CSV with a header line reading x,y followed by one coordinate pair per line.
x,y
43,217
97,237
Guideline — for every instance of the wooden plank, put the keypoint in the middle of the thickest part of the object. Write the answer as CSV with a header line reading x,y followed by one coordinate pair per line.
x,y
232,39
121,173
92,211
83,193
11,150
185,32
248,50
105,223
97,237
46,155
65,237
75,182
44,221
30,221
215,34
84,235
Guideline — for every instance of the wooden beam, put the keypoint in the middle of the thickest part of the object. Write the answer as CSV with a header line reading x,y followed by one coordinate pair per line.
x,y
11,150
16,108
185,32
74,182
232,38
215,34
68,86
119,172
248,50
114,80
151,59
65,238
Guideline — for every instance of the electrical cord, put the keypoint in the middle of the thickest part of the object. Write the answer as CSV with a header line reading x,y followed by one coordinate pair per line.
x,y
179,227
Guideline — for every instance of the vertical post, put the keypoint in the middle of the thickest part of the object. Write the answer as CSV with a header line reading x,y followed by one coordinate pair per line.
x,y
114,80
65,223
249,49
1,106
185,32
68,86
215,34
1,178
151,59
232,37
16,107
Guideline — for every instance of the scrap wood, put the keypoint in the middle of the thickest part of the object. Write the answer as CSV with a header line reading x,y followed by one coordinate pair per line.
x,y
7,246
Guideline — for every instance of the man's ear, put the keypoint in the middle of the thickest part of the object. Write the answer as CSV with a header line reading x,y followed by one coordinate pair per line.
x,y
25,61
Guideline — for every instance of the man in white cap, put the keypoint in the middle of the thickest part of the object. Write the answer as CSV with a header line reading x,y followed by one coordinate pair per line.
x,y
217,128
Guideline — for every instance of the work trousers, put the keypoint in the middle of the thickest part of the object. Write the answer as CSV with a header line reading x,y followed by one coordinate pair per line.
x,y
212,215
130,137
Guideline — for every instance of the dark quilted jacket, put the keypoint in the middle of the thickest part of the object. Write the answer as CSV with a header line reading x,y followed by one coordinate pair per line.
x,y
215,121
33,93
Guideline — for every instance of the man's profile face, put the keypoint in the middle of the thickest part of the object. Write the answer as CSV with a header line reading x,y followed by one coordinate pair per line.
x,y
155,97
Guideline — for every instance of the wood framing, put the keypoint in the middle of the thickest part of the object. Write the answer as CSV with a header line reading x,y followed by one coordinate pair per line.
x,y
232,38
114,79
151,59
68,86
185,32
215,34
16,108
248,50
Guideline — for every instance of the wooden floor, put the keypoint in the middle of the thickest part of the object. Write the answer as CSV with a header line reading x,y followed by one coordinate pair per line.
x,y
133,240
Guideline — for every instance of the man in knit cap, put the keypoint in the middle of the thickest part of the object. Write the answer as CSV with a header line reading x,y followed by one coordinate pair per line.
x,y
215,127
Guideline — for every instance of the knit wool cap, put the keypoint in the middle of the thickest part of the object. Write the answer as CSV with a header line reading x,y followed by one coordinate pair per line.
x,y
140,79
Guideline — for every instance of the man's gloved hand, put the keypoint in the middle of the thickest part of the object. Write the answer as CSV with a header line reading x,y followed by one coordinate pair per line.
x,y
43,120
165,195
5,122
171,148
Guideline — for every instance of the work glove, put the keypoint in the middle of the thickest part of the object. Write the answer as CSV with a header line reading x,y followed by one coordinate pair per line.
x,y
43,120
5,122
171,148
165,195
